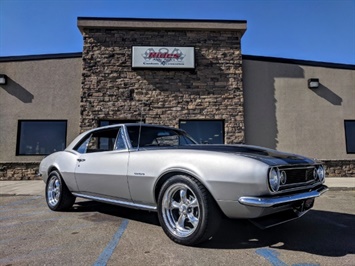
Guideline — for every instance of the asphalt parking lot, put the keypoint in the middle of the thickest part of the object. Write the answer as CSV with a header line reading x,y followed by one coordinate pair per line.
x,y
99,234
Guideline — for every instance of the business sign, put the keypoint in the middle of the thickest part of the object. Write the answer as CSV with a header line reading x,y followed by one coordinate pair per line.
x,y
163,57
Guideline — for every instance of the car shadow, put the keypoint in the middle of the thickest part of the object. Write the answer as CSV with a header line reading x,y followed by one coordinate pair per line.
x,y
113,210
318,232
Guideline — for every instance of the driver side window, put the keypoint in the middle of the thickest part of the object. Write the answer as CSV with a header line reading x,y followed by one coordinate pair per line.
x,y
102,140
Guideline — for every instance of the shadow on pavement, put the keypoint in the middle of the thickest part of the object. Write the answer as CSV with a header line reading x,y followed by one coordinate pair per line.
x,y
131,214
318,232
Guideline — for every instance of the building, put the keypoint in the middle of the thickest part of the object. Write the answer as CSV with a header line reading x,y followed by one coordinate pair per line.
x,y
184,73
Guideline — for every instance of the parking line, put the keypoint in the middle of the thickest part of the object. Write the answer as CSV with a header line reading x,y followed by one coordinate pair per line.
x,y
271,256
107,253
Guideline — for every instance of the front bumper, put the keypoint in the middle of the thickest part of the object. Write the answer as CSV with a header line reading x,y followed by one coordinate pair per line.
x,y
264,202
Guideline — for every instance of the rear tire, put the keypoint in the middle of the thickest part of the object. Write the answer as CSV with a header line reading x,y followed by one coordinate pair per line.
x,y
187,212
58,196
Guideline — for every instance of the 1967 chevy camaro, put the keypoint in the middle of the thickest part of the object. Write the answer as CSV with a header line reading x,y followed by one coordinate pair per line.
x,y
191,186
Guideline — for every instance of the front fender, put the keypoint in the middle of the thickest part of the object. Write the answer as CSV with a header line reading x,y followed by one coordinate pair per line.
x,y
65,162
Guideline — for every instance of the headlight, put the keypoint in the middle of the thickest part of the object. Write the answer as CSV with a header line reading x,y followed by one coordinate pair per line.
x,y
320,173
274,179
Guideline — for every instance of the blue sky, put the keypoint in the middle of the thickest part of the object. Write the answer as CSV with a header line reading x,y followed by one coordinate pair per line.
x,y
317,30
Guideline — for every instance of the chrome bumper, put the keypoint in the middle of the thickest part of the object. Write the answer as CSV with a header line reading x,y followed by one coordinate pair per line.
x,y
270,202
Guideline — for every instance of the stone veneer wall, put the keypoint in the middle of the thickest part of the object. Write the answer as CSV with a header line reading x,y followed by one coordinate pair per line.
x,y
111,89
342,168
28,171
19,171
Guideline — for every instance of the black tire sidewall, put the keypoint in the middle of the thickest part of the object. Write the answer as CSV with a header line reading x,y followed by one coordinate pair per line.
x,y
51,175
199,234
66,199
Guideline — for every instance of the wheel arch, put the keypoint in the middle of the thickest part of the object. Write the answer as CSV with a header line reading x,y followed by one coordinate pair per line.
x,y
52,168
165,176
48,171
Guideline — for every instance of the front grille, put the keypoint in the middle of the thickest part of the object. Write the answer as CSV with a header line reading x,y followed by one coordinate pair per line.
x,y
297,177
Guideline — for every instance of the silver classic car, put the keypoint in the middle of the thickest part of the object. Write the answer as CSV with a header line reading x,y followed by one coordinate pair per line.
x,y
191,186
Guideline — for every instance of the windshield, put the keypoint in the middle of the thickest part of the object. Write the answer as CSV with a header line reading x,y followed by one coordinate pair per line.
x,y
157,137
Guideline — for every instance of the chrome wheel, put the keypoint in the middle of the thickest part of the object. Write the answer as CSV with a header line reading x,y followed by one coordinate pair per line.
x,y
186,210
58,196
54,190
180,210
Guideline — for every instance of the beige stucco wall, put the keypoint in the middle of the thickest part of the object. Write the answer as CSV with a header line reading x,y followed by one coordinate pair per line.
x,y
282,112
38,89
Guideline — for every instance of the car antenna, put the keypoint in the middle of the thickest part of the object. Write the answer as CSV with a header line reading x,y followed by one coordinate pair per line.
x,y
140,125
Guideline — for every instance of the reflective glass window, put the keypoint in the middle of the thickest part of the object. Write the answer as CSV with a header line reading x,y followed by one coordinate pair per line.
x,y
157,137
350,135
102,140
37,137
204,131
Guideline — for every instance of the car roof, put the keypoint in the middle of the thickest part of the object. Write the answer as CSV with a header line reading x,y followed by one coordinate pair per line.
x,y
134,124
128,125
80,136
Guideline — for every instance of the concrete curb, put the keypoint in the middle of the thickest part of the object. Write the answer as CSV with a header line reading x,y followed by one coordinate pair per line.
x,y
23,188
36,187
340,183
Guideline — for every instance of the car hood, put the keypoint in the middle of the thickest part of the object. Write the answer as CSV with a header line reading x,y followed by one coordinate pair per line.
x,y
268,156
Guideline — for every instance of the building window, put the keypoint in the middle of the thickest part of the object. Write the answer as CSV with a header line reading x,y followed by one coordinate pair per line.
x,y
350,135
39,137
204,131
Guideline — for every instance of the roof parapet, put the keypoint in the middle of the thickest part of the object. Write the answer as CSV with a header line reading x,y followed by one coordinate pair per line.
x,y
163,24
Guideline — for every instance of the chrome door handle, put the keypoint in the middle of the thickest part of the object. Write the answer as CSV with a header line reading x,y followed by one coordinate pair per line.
x,y
81,160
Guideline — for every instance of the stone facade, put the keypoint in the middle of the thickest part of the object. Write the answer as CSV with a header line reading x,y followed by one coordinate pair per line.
x,y
340,168
19,171
111,89
28,171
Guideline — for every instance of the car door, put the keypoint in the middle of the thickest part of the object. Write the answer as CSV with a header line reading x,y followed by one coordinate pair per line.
x,y
102,165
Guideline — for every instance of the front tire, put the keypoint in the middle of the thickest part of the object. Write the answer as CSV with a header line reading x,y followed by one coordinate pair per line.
x,y
58,196
187,212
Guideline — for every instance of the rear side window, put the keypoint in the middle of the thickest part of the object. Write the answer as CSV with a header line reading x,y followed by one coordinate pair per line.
x,y
155,137
103,140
